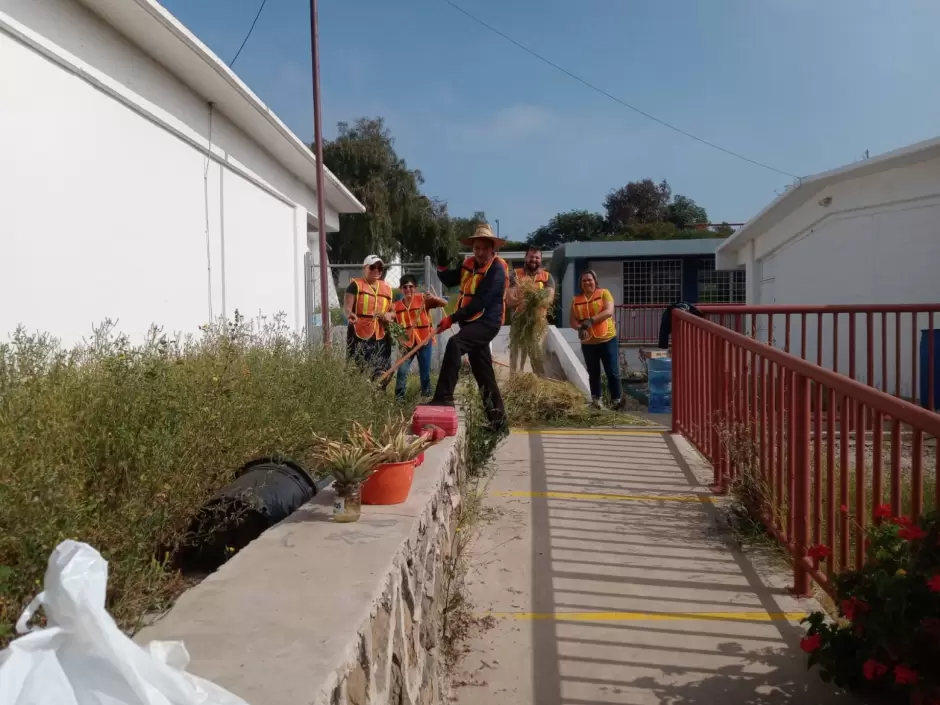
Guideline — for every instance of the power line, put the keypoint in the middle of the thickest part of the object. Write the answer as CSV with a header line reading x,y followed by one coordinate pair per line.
x,y
615,98
250,30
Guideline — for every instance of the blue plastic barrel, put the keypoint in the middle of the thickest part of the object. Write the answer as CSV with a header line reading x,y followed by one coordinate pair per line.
x,y
924,366
660,385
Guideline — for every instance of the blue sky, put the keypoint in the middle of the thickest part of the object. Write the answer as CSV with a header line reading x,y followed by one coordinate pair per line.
x,y
803,85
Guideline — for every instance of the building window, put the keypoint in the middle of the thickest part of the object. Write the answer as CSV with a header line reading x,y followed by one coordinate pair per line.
x,y
716,287
652,282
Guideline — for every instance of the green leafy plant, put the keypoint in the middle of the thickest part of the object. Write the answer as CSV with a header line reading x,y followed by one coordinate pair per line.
x,y
887,634
394,443
350,463
119,443
398,332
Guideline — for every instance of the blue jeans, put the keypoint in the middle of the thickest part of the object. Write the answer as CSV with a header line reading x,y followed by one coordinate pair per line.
x,y
424,372
606,355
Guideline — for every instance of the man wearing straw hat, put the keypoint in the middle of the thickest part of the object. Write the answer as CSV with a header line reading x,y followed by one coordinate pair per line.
x,y
481,310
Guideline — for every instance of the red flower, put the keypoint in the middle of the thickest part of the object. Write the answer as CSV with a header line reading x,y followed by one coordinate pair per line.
x,y
904,675
874,669
903,521
883,511
853,607
810,644
931,625
818,552
934,583
912,533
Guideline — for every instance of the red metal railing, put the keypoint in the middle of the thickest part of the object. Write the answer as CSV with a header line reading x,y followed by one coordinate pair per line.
x,y
756,413
638,324
875,344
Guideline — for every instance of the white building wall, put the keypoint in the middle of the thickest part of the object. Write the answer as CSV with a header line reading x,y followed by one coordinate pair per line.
x,y
108,191
878,242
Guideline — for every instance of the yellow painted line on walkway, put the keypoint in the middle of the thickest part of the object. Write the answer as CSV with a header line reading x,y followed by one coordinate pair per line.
x,y
649,616
584,432
705,499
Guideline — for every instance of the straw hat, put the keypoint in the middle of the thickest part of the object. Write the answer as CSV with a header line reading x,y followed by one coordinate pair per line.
x,y
483,232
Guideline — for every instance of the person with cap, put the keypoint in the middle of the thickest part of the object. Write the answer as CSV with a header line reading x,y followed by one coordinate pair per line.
x,y
481,310
368,307
411,310
531,271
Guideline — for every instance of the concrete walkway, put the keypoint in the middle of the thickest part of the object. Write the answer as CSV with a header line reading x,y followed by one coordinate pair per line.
x,y
609,581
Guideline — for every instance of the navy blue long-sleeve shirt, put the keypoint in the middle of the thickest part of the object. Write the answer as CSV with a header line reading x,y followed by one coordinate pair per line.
x,y
488,297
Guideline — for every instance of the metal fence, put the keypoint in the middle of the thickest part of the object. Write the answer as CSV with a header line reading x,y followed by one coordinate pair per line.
x,y
638,324
815,479
878,345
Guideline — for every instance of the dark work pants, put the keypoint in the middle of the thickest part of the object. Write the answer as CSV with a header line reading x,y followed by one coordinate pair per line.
x,y
372,356
606,355
472,340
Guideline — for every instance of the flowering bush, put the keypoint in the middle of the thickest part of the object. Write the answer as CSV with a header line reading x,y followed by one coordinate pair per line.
x,y
887,636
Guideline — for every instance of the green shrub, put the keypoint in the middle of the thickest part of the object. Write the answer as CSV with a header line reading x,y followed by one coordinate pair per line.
x,y
118,444
887,636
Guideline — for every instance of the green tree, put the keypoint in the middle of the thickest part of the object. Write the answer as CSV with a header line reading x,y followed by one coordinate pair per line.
x,y
638,202
464,227
429,231
363,157
573,226
683,212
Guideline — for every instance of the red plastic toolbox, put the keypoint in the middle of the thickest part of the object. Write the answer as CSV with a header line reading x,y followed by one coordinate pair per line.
x,y
443,416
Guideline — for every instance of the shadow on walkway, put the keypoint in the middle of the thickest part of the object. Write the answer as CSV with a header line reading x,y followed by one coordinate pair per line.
x,y
634,596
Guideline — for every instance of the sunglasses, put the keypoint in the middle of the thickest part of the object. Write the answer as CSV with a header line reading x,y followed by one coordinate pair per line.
x,y
377,267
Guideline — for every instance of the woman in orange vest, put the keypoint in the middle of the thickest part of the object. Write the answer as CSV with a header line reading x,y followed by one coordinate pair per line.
x,y
592,316
411,311
368,307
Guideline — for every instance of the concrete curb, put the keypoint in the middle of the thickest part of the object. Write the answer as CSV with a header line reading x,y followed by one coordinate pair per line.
x,y
314,612
570,364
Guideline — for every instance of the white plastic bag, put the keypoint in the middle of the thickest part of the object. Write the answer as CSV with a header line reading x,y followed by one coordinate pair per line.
x,y
83,658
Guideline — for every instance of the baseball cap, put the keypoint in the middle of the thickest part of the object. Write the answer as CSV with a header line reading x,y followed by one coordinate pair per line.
x,y
372,259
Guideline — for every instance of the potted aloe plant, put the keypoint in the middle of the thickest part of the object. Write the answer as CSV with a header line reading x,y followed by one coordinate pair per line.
x,y
390,483
350,463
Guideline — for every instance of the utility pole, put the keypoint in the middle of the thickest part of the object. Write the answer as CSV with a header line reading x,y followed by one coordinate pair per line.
x,y
325,276
497,227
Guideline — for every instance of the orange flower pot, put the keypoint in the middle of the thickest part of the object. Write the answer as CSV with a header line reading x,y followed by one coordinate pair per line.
x,y
419,459
389,484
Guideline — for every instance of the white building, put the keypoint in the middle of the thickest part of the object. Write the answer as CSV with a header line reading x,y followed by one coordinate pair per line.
x,y
868,233
141,180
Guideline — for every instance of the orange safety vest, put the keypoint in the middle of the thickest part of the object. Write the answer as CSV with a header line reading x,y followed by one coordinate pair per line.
x,y
415,318
371,304
588,308
470,278
541,277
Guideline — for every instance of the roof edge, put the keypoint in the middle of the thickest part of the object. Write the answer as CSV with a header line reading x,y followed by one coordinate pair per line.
x,y
336,193
807,186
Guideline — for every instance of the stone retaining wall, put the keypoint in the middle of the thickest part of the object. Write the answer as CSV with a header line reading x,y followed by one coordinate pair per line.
x,y
331,614
399,658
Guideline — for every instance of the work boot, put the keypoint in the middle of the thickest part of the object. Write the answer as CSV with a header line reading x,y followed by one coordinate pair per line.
x,y
620,404
596,403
